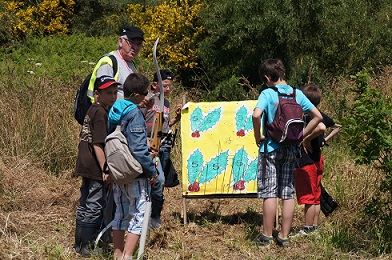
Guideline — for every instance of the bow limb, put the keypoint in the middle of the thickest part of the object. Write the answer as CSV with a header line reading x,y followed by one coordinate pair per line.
x,y
154,54
156,131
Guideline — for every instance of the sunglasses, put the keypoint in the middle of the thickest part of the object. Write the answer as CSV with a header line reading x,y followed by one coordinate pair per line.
x,y
143,94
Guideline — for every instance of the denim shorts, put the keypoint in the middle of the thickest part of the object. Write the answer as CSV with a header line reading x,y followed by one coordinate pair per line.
x,y
276,179
130,202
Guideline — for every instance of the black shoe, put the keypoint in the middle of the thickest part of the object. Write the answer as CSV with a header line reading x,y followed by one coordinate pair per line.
x,y
263,241
283,242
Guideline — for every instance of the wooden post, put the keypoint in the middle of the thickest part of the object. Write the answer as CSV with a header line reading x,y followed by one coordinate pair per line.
x,y
184,210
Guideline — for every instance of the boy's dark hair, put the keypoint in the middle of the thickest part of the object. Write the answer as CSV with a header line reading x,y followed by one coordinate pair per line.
x,y
135,83
274,69
313,93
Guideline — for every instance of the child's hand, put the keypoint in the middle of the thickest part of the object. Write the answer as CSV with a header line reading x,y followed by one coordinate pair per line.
x,y
178,110
153,153
153,179
307,146
260,140
146,103
106,178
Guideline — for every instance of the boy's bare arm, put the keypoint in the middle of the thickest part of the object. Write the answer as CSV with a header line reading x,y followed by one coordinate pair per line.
x,y
336,129
178,116
316,119
320,128
256,120
100,154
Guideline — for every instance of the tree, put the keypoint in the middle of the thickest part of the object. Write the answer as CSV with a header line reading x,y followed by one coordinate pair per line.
x,y
315,39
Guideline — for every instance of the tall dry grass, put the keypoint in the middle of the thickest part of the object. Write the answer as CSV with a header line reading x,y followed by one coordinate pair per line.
x,y
37,121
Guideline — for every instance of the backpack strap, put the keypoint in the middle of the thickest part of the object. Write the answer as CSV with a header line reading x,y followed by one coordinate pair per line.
x,y
115,65
284,94
112,61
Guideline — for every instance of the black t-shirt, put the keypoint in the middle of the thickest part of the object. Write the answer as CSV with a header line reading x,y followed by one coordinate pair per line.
x,y
316,143
94,131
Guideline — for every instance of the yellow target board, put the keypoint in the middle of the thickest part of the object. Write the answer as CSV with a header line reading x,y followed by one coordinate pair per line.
x,y
219,154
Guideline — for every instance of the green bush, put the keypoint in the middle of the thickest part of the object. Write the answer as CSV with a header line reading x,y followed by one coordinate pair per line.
x,y
368,133
314,39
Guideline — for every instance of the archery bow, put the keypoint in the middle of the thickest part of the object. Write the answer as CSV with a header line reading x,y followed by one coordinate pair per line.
x,y
155,142
156,131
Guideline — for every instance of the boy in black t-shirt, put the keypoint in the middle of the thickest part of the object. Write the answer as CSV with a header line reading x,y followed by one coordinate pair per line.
x,y
90,163
311,165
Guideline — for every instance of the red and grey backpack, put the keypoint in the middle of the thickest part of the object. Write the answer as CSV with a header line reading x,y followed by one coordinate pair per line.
x,y
288,125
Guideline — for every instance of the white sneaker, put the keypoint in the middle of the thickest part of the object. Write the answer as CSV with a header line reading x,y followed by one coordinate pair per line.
x,y
155,223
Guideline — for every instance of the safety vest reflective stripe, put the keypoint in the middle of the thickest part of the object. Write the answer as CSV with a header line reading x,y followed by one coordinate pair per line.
x,y
104,60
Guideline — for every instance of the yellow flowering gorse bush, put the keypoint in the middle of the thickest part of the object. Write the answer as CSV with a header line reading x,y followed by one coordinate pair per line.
x,y
174,22
45,18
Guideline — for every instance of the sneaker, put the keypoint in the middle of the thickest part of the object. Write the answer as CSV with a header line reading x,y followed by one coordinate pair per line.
x,y
304,232
155,223
283,242
263,241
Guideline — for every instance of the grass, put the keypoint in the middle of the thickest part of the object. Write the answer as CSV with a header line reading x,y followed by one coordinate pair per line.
x,y
39,196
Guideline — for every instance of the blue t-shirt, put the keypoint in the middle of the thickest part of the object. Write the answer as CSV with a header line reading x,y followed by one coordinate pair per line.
x,y
268,102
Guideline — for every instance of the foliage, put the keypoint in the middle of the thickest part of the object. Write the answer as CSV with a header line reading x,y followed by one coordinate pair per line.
x,y
232,89
97,18
175,23
314,39
368,133
45,18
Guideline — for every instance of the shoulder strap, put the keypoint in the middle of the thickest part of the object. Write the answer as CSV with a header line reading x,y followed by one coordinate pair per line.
x,y
284,94
275,88
294,95
114,62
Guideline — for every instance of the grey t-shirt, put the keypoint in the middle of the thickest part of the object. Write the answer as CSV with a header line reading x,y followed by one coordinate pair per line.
x,y
124,69
150,116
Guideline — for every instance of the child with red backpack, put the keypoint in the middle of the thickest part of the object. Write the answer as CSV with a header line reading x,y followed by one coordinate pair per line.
x,y
276,160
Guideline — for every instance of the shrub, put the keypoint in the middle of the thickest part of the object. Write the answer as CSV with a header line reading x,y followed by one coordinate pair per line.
x,y
45,18
175,23
368,133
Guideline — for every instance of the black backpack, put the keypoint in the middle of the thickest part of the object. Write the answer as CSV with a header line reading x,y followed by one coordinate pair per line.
x,y
288,125
82,102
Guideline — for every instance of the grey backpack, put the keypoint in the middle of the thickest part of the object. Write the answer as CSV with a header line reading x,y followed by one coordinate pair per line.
x,y
123,167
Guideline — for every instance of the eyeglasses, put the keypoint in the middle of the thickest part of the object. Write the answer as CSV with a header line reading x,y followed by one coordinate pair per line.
x,y
132,42
143,94
168,86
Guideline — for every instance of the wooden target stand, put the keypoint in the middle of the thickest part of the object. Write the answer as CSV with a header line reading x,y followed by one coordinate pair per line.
x,y
226,196
216,196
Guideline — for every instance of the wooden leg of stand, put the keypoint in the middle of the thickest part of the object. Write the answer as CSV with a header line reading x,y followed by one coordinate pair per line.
x,y
184,210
